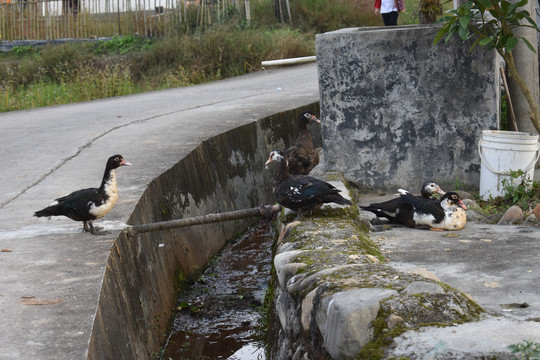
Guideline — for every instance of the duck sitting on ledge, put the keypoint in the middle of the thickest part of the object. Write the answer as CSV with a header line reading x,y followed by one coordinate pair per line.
x,y
303,156
446,214
90,204
397,210
301,193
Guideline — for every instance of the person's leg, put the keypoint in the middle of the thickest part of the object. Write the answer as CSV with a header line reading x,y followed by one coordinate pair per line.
x,y
390,18
393,17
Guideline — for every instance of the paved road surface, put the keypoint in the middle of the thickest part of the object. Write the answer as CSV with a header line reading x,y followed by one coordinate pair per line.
x,y
47,153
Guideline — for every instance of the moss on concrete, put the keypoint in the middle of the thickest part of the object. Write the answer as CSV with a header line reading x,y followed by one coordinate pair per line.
x,y
340,256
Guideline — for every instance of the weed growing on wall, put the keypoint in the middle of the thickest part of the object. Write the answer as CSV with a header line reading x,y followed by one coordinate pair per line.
x,y
527,350
519,190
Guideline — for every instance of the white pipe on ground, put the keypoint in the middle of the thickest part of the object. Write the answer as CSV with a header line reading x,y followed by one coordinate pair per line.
x,y
290,61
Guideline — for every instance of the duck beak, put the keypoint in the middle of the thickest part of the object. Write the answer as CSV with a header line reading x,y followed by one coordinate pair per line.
x,y
316,119
462,204
124,163
440,191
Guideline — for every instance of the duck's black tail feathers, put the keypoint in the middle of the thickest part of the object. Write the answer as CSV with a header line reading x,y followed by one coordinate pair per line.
x,y
52,210
336,198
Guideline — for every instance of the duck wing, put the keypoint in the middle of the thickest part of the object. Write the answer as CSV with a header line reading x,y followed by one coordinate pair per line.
x,y
299,191
424,207
74,206
386,209
301,160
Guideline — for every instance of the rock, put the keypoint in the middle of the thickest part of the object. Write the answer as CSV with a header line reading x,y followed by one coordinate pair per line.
x,y
471,204
536,212
419,287
285,231
474,215
393,320
344,320
514,215
285,267
307,307
302,281
464,195
423,272
493,219
373,259
531,219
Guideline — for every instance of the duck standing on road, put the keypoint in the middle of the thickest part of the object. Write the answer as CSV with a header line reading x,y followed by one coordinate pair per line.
x,y
446,214
399,211
301,193
302,156
90,204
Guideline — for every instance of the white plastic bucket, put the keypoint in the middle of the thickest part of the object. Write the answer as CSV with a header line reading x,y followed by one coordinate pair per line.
x,y
502,152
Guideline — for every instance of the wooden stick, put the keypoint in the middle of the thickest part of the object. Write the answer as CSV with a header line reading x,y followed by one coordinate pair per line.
x,y
509,102
266,211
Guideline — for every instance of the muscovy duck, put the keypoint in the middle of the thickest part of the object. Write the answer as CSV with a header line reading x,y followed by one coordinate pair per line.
x,y
397,210
303,156
446,214
301,193
87,205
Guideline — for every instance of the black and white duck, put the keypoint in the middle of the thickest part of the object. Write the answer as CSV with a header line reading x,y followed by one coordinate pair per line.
x,y
301,193
446,214
397,210
90,204
303,156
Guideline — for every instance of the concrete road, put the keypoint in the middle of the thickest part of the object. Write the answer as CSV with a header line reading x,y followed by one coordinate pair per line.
x,y
51,273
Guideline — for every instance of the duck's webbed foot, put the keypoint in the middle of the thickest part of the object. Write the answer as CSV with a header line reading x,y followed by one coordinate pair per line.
x,y
95,230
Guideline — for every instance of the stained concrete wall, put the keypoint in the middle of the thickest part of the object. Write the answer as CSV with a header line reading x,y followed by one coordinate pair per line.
x,y
224,173
398,110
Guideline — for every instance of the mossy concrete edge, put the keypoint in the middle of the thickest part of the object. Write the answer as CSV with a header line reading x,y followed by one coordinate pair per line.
x,y
336,298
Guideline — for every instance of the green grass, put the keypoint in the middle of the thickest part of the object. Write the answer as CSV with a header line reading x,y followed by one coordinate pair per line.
x,y
518,190
53,75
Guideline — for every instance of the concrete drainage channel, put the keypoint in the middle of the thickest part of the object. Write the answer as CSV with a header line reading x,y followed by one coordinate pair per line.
x,y
332,295
224,173
220,315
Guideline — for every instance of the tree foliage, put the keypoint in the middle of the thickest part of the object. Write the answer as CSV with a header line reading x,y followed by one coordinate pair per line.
x,y
493,23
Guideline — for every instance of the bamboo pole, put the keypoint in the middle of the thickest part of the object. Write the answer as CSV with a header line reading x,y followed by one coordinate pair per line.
x,y
248,12
2,19
58,19
265,211
509,101
288,5
279,11
85,22
13,21
2,22
20,17
146,20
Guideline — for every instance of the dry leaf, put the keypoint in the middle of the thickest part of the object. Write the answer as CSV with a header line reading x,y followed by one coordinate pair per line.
x,y
6,250
492,284
451,235
41,301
